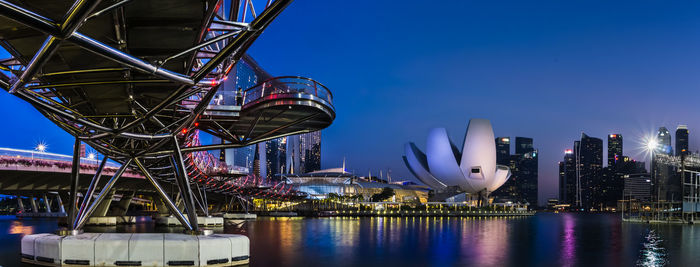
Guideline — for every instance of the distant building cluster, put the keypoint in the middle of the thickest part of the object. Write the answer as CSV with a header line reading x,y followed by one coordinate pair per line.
x,y
523,164
585,184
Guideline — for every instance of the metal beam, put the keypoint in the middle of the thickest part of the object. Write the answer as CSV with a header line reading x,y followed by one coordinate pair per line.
x,y
105,190
73,19
184,182
87,198
75,175
165,197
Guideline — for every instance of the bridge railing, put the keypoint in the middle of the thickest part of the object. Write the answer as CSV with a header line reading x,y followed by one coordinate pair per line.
x,y
37,159
287,84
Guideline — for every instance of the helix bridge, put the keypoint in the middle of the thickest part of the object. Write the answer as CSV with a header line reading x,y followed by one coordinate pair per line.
x,y
205,169
137,81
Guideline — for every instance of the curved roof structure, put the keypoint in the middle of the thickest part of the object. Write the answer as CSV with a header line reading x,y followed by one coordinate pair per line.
x,y
473,169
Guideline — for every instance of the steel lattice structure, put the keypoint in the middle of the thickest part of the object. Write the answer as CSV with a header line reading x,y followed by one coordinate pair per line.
x,y
135,80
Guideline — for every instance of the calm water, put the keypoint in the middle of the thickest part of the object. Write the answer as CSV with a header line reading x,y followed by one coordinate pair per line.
x,y
541,240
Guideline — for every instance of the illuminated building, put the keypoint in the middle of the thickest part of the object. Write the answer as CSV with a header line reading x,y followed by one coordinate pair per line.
x,y
614,149
503,150
567,178
321,183
473,170
663,137
682,140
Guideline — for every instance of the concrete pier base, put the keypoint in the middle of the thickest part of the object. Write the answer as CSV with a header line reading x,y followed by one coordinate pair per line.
x,y
204,221
240,216
125,249
111,220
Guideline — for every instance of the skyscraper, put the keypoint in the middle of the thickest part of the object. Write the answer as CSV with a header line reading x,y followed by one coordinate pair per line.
x,y
590,169
304,152
567,178
663,137
522,185
523,145
503,150
275,157
682,140
614,149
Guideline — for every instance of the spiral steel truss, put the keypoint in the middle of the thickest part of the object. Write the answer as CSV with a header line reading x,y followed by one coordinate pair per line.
x,y
135,80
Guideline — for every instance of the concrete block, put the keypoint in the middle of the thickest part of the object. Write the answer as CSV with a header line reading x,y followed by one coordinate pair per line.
x,y
112,250
27,246
79,249
146,249
210,221
47,249
180,250
214,250
240,216
108,220
240,248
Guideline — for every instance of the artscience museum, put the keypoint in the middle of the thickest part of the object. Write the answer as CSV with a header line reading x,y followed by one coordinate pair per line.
x,y
449,171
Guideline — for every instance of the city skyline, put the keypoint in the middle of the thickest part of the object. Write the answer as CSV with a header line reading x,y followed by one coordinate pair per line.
x,y
560,75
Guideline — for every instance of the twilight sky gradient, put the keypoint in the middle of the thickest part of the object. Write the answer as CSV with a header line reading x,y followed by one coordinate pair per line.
x,y
546,71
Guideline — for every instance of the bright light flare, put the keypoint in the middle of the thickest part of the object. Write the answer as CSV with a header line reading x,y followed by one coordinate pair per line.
x,y
652,144
91,156
41,147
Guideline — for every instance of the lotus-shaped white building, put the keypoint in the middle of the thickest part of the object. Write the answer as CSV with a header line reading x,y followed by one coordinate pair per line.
x,y
473,170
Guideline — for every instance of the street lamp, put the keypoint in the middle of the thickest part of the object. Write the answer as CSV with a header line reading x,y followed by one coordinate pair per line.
x,y
41,147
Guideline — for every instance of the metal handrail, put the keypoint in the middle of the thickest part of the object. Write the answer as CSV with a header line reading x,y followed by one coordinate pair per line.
x,y
287,84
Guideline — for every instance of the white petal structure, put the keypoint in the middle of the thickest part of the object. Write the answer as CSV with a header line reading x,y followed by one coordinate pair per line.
x,y
473,170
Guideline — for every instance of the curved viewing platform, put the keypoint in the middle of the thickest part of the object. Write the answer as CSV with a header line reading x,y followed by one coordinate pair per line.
x,y
277,107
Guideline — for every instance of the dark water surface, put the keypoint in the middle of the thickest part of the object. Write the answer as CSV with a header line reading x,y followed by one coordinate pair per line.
x,y
542,240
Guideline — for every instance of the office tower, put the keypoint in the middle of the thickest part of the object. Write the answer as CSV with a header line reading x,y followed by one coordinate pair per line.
x,y
614,149
567,178
522,185
589,161
523,145
304,152
275,157
663,137
503,150
682,140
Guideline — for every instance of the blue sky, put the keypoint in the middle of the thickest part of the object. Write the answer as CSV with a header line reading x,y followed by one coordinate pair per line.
x,y
546,70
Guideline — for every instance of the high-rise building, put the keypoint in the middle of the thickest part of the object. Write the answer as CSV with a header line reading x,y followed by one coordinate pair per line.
x,y
614,149
682,140
523,145
304,152
567,178
275,157
522,184
503,150
663,137
589,161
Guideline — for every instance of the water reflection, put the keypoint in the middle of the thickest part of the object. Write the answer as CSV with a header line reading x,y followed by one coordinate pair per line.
x,y
543,240
17,228
653,254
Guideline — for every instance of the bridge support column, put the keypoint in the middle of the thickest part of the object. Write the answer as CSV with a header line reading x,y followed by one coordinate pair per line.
x,y
124,203
47,204
74,177
103,207
20,203
34,207
183,183
61,208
